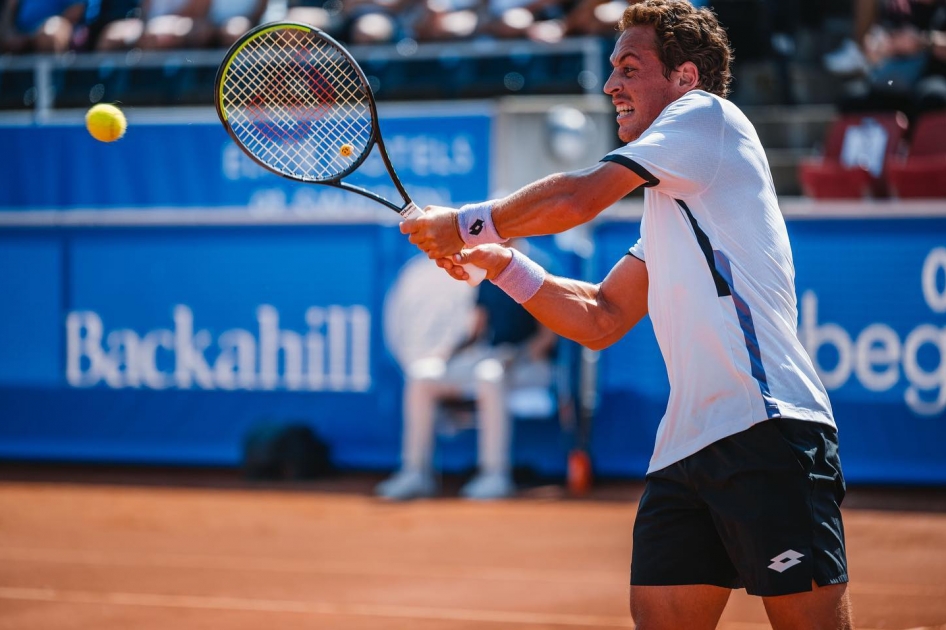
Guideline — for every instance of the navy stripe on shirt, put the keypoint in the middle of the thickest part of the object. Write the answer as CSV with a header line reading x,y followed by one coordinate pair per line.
x,y
722,288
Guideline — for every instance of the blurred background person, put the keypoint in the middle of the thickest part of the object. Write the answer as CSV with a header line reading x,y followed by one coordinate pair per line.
x,y
324,14
595,17
446,20
904,60
171,24
111,25
42,26
354,21
506,348
538,20
156,25
230,19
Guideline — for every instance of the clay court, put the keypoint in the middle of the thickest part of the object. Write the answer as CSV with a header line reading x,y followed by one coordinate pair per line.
x,y
109,549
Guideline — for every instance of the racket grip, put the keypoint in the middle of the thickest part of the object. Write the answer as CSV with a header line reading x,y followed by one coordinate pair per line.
x,y
477,274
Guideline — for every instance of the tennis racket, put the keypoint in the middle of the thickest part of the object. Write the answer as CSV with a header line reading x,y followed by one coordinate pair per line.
x,y
300,106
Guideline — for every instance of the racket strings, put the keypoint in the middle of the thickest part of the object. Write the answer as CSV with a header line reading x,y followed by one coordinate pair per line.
x,y
294,101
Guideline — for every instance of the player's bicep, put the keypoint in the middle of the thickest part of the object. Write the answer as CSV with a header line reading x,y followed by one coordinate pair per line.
x,y
606,183
623,296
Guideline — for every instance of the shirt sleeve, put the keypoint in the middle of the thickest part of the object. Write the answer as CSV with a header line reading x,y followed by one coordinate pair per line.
x,y
679,154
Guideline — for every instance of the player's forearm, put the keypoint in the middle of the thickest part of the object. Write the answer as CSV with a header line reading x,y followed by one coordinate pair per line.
x,y
573,309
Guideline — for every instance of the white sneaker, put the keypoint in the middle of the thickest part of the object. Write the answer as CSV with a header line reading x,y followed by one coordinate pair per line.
x,y
846,60
406,485
488,486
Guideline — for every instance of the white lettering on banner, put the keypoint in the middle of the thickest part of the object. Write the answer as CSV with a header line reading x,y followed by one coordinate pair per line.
x,y
876,355
237,165
421,155
934,295
333,354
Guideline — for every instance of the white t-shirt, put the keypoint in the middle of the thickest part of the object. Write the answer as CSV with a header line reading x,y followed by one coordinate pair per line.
x,y
721,278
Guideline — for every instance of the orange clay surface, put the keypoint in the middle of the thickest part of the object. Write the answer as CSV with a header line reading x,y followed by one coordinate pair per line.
x,y
117,549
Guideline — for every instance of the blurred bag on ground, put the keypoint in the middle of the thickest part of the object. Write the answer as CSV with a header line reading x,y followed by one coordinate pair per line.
x,y
285,451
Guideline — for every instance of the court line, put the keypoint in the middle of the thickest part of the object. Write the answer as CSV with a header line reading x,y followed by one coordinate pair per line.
x,y
240,604
278,565
198,602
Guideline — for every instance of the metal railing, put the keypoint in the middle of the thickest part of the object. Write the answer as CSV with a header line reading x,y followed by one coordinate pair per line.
x,y
36,82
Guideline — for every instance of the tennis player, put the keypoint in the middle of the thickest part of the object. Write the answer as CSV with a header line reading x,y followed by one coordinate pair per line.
x,y
745,485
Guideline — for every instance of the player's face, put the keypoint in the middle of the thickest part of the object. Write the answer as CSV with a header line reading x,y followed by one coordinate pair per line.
x,y
637,85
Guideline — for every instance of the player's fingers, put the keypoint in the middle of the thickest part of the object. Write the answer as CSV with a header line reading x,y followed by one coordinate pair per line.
x,y
470,256
457,272
408,226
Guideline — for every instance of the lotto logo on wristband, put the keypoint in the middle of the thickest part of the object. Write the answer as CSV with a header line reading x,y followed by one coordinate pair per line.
x,y
477,227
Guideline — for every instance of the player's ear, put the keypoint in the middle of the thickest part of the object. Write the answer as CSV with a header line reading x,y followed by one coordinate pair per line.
x,y
687,76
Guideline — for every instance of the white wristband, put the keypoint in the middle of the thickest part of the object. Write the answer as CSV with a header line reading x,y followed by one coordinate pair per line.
x,y
475,224
521,279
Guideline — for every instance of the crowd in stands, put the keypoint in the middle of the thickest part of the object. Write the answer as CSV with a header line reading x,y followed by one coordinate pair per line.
x,y
895,59
106,25
895,55
889,139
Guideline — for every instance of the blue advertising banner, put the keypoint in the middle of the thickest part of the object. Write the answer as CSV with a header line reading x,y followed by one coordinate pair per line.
x,y
441,158
872,313
168,344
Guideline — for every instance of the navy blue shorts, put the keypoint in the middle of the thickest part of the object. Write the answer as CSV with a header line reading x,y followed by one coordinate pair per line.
x,y
758,510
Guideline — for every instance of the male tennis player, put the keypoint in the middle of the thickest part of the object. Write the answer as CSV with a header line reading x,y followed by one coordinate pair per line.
x,y
745,484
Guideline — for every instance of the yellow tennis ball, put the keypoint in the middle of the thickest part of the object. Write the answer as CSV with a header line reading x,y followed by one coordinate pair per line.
x,y
346,150
105,122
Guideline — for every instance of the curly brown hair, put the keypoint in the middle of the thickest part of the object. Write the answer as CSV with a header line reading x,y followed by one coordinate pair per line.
x,y
685,33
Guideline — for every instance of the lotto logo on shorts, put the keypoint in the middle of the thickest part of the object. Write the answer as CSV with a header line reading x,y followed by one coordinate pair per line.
x,y
786,560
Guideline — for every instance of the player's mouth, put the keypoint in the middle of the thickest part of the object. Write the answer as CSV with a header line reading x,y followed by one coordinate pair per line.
x,y
623,111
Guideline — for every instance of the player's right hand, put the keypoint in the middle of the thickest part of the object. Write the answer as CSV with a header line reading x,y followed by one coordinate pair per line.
x,y
435,232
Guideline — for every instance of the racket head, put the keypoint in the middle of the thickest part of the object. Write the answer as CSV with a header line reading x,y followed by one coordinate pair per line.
x,y
296,102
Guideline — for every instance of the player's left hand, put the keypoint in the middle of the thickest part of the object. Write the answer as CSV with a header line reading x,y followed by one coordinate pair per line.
x,y
435,232
492,258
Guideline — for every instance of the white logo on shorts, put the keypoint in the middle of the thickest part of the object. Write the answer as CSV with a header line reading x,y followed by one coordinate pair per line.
x,y
786,560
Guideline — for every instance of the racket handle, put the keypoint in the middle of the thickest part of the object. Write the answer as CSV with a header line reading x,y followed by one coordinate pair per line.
x,y
477,274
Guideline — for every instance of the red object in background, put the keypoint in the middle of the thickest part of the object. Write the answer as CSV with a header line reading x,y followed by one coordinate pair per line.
x,y
829,177
579,473
923,172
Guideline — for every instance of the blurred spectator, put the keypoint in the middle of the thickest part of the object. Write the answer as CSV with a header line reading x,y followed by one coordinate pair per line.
x,y
230,19
444,20
595,17
39,25
160,25
506,348
905,60
354,21
538,20
170,24
324,14
375,21
105,24
848,58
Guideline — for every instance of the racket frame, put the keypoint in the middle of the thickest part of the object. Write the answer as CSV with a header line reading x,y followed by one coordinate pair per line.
x,y
375,139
